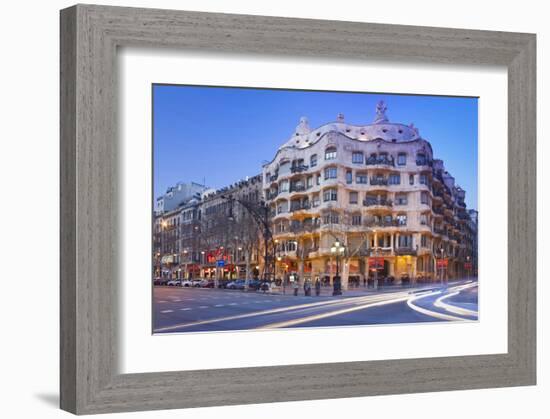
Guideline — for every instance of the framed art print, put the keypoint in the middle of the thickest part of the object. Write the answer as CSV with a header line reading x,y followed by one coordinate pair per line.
x,y
310,209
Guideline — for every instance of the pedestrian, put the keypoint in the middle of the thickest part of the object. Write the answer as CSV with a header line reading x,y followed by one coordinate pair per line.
x,y
365,281
317,287
307,287
295,286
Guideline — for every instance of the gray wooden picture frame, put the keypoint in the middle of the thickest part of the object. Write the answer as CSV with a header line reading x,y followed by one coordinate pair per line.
x,y
90,36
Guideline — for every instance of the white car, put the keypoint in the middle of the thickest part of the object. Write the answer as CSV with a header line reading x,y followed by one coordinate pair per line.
x,y
196,282
187,283
174,283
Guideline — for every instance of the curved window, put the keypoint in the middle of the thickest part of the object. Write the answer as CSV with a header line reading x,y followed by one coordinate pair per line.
x,y
331,173
313,160
357,157
401,159
421,159
330,153
330,195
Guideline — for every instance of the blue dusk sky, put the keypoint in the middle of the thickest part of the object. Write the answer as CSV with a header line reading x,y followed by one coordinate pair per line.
x,y
221,135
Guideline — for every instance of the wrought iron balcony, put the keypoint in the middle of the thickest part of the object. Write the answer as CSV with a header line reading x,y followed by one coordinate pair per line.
x,y
383,161
381,223
424,162
297,187
405,251
298,207
299,168
378,181
370,202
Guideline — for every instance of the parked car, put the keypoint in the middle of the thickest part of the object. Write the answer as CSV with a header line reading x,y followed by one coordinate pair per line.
x,y
254,284
265,286
174,283
196,282
207,283
187,283
236,285
160,281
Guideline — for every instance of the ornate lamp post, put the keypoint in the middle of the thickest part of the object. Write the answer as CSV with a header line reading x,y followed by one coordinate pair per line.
x,y
337,249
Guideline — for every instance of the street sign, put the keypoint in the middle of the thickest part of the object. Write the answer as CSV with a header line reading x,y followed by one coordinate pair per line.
x,y
442,263
468,265
376,263
220,263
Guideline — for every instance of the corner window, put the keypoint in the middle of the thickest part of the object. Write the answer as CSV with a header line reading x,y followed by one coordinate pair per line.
x,y
330,153
349,177
356,220
401,220
424,198
330,195
353,197
411,179
330,173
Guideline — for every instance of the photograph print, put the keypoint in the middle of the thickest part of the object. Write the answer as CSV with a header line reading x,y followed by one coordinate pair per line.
x,y
278,208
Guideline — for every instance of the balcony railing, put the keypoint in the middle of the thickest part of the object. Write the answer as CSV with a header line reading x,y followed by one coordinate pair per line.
x,y
378,181
424,162
384,161
298,207
381,223
299,168
298,228
380,251
273,178
272,195
297,188
405,251
371,202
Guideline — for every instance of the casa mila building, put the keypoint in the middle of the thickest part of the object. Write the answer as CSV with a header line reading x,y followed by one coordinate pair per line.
x,y
378,191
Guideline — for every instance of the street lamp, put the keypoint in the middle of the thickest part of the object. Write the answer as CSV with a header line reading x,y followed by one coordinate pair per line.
x,y
337,249
375,263
441,250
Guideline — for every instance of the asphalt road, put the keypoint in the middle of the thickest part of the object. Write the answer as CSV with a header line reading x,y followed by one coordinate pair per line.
x,y
179,310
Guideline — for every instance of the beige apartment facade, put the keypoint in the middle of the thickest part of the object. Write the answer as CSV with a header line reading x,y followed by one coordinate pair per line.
x,y
378,190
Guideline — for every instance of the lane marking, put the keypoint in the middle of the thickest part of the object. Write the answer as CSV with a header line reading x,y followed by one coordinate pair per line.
x,y
185,309
219,305
203,306
320,304
167,311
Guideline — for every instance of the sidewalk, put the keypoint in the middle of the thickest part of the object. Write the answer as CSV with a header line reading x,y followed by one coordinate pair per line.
x,y
361,290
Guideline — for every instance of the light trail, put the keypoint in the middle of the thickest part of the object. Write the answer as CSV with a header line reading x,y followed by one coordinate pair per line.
x,y
308,319
435,314
300,307
452,308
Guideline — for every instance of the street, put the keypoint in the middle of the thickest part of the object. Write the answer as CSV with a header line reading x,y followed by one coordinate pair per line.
x,y
179,309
